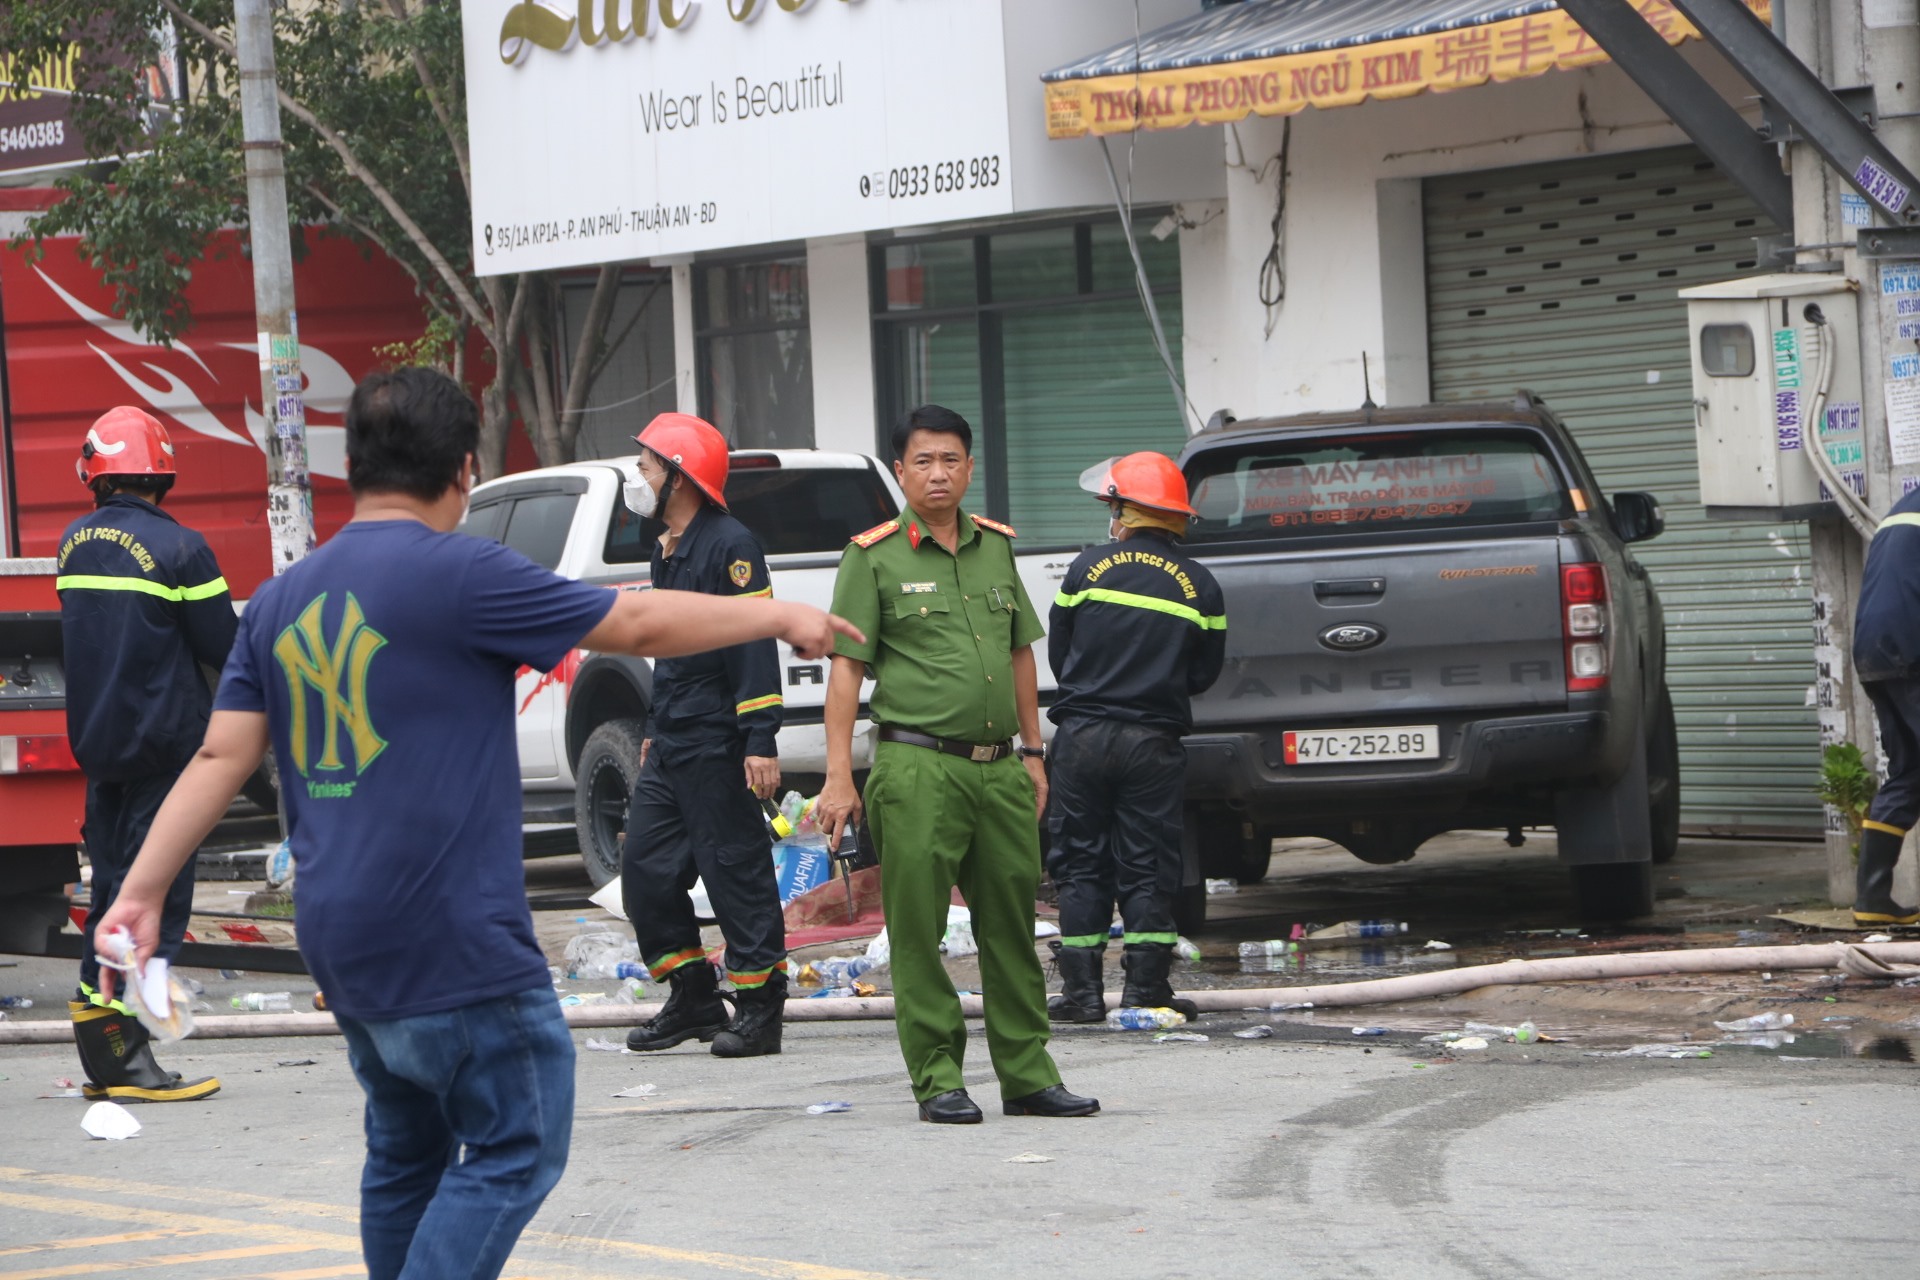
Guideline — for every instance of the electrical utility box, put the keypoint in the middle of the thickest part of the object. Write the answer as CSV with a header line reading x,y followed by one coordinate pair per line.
x,y
1756,372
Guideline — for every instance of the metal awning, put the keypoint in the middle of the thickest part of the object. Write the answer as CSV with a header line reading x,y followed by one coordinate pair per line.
x,y
1274,57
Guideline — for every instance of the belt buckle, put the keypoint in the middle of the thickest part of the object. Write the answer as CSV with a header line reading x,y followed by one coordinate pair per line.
x,y
984,753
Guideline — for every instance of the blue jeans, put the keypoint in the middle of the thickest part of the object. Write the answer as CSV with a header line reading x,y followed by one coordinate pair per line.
x,y
469,1113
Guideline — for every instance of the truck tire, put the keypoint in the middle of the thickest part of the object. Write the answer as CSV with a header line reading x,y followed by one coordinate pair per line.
x,y
1609,892
1663,780
604,777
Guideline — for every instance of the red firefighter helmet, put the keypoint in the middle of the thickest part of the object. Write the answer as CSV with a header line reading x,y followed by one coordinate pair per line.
x,y
692,447
1144,479
125,442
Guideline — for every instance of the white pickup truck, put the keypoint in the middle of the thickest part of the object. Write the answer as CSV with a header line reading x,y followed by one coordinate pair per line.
x,y
580,727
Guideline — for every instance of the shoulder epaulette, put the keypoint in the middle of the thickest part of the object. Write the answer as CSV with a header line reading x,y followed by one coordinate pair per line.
x,y
876,533
995,525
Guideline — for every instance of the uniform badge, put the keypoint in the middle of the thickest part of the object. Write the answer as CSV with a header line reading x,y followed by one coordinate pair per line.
x,y
741,572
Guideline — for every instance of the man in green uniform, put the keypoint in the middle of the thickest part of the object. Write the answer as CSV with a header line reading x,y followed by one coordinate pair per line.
x,y
950,637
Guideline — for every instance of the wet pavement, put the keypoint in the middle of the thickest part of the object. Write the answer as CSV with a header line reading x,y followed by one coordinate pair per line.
x,y
1489,903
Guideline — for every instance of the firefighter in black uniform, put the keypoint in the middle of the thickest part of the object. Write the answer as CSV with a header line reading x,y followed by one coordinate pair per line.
x,y
1886,652
709,761
143,608
1137,629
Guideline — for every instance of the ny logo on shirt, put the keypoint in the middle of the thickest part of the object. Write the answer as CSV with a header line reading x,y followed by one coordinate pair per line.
x,y
337,673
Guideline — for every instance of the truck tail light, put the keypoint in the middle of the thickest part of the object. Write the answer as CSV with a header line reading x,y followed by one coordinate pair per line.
x,y
47,753
1583,605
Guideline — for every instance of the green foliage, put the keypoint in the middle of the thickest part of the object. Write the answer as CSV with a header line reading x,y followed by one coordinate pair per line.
x,y
438,346
1848,784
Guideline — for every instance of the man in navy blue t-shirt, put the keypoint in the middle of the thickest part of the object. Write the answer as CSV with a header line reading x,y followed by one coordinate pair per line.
x,y
381,670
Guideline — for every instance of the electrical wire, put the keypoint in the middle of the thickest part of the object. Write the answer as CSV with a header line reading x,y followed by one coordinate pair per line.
x,y
1851,505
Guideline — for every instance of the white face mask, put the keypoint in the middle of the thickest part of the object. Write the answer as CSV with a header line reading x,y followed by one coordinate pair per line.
x,y
641,498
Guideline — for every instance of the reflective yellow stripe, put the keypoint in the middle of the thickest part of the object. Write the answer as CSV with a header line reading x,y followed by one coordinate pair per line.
x,y
103,582
1205,621
757,704
1891,830
749,595
1905,517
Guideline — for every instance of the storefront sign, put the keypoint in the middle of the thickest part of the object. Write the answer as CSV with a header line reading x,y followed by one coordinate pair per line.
x,y
35,132
620,129
1513,49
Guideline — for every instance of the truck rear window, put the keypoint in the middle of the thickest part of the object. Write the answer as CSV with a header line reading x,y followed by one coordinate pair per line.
x,y
1376,482
793,511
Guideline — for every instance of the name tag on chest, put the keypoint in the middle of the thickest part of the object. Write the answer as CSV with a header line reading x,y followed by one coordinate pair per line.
x,y
918,588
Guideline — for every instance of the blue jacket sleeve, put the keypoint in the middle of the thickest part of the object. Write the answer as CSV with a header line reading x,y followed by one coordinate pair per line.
x,y
206,615
1210,655
753,670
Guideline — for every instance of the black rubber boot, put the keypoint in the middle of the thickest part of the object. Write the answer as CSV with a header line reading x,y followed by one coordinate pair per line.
x,y
693,1009
118,1059
755,1030
1147,965
1873,883
1083,993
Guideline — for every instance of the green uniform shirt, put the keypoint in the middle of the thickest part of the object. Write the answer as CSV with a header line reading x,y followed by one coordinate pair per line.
x,y
941,626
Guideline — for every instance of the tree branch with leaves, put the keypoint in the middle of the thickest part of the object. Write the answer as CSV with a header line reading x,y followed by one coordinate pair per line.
x,y
374,118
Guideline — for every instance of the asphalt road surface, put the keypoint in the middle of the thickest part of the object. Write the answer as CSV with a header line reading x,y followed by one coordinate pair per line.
x,y
1310,1153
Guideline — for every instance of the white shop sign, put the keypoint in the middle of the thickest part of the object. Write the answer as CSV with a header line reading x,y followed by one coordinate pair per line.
x,y
606,130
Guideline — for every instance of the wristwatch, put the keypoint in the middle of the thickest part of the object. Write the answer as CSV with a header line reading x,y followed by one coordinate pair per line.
x,y
1032,753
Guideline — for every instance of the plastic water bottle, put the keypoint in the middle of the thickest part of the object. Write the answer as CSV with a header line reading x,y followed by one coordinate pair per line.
x,y
15,1002
1360,929
1185,949
629,969
1271,947
1146,1019
1758,1022
264,1001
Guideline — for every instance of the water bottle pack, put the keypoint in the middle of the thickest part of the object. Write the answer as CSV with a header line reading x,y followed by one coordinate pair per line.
x,y
1145,1019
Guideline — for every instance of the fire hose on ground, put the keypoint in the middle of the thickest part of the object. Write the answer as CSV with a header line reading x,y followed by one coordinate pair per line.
x,y
1873,961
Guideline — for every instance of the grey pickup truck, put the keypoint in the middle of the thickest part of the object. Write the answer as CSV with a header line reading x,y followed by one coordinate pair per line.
x,y
1434,623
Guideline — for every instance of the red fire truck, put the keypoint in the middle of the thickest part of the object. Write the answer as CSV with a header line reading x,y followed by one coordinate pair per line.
x,y
64,360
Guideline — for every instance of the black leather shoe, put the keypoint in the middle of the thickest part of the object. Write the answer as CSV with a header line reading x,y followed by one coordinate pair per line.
x,y
1054,1100
951,1107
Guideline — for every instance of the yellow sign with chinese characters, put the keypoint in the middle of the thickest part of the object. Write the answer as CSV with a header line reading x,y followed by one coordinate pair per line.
x,y
1512,49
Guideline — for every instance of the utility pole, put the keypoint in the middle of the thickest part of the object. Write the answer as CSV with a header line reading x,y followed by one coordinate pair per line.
x,y
289,492
1849,43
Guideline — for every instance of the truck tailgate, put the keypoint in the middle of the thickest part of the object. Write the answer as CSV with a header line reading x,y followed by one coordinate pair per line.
x,y
1432,630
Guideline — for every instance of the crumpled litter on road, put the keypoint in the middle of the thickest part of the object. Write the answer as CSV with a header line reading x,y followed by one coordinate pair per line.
x,y
109,1121
1758,1022
638,1091
829,1108
1180,1037
1253,1033
1469,1043
606,1046
1760,1039
1029,1157
1434,944
295,1062
1652,1051
64,1088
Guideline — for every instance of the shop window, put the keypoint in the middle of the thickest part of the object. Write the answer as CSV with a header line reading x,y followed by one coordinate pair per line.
x,y
755,352
1037,337
633,376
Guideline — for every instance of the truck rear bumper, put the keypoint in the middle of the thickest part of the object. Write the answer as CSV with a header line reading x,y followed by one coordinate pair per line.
x,y
1244,770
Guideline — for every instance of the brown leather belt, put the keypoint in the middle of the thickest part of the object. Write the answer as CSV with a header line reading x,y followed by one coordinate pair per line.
x,y
980,752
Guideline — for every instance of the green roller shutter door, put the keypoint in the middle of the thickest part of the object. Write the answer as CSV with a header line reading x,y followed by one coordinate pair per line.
x,y
1562,278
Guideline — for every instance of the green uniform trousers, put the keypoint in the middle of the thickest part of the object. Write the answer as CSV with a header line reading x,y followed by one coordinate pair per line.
x,y
940,821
